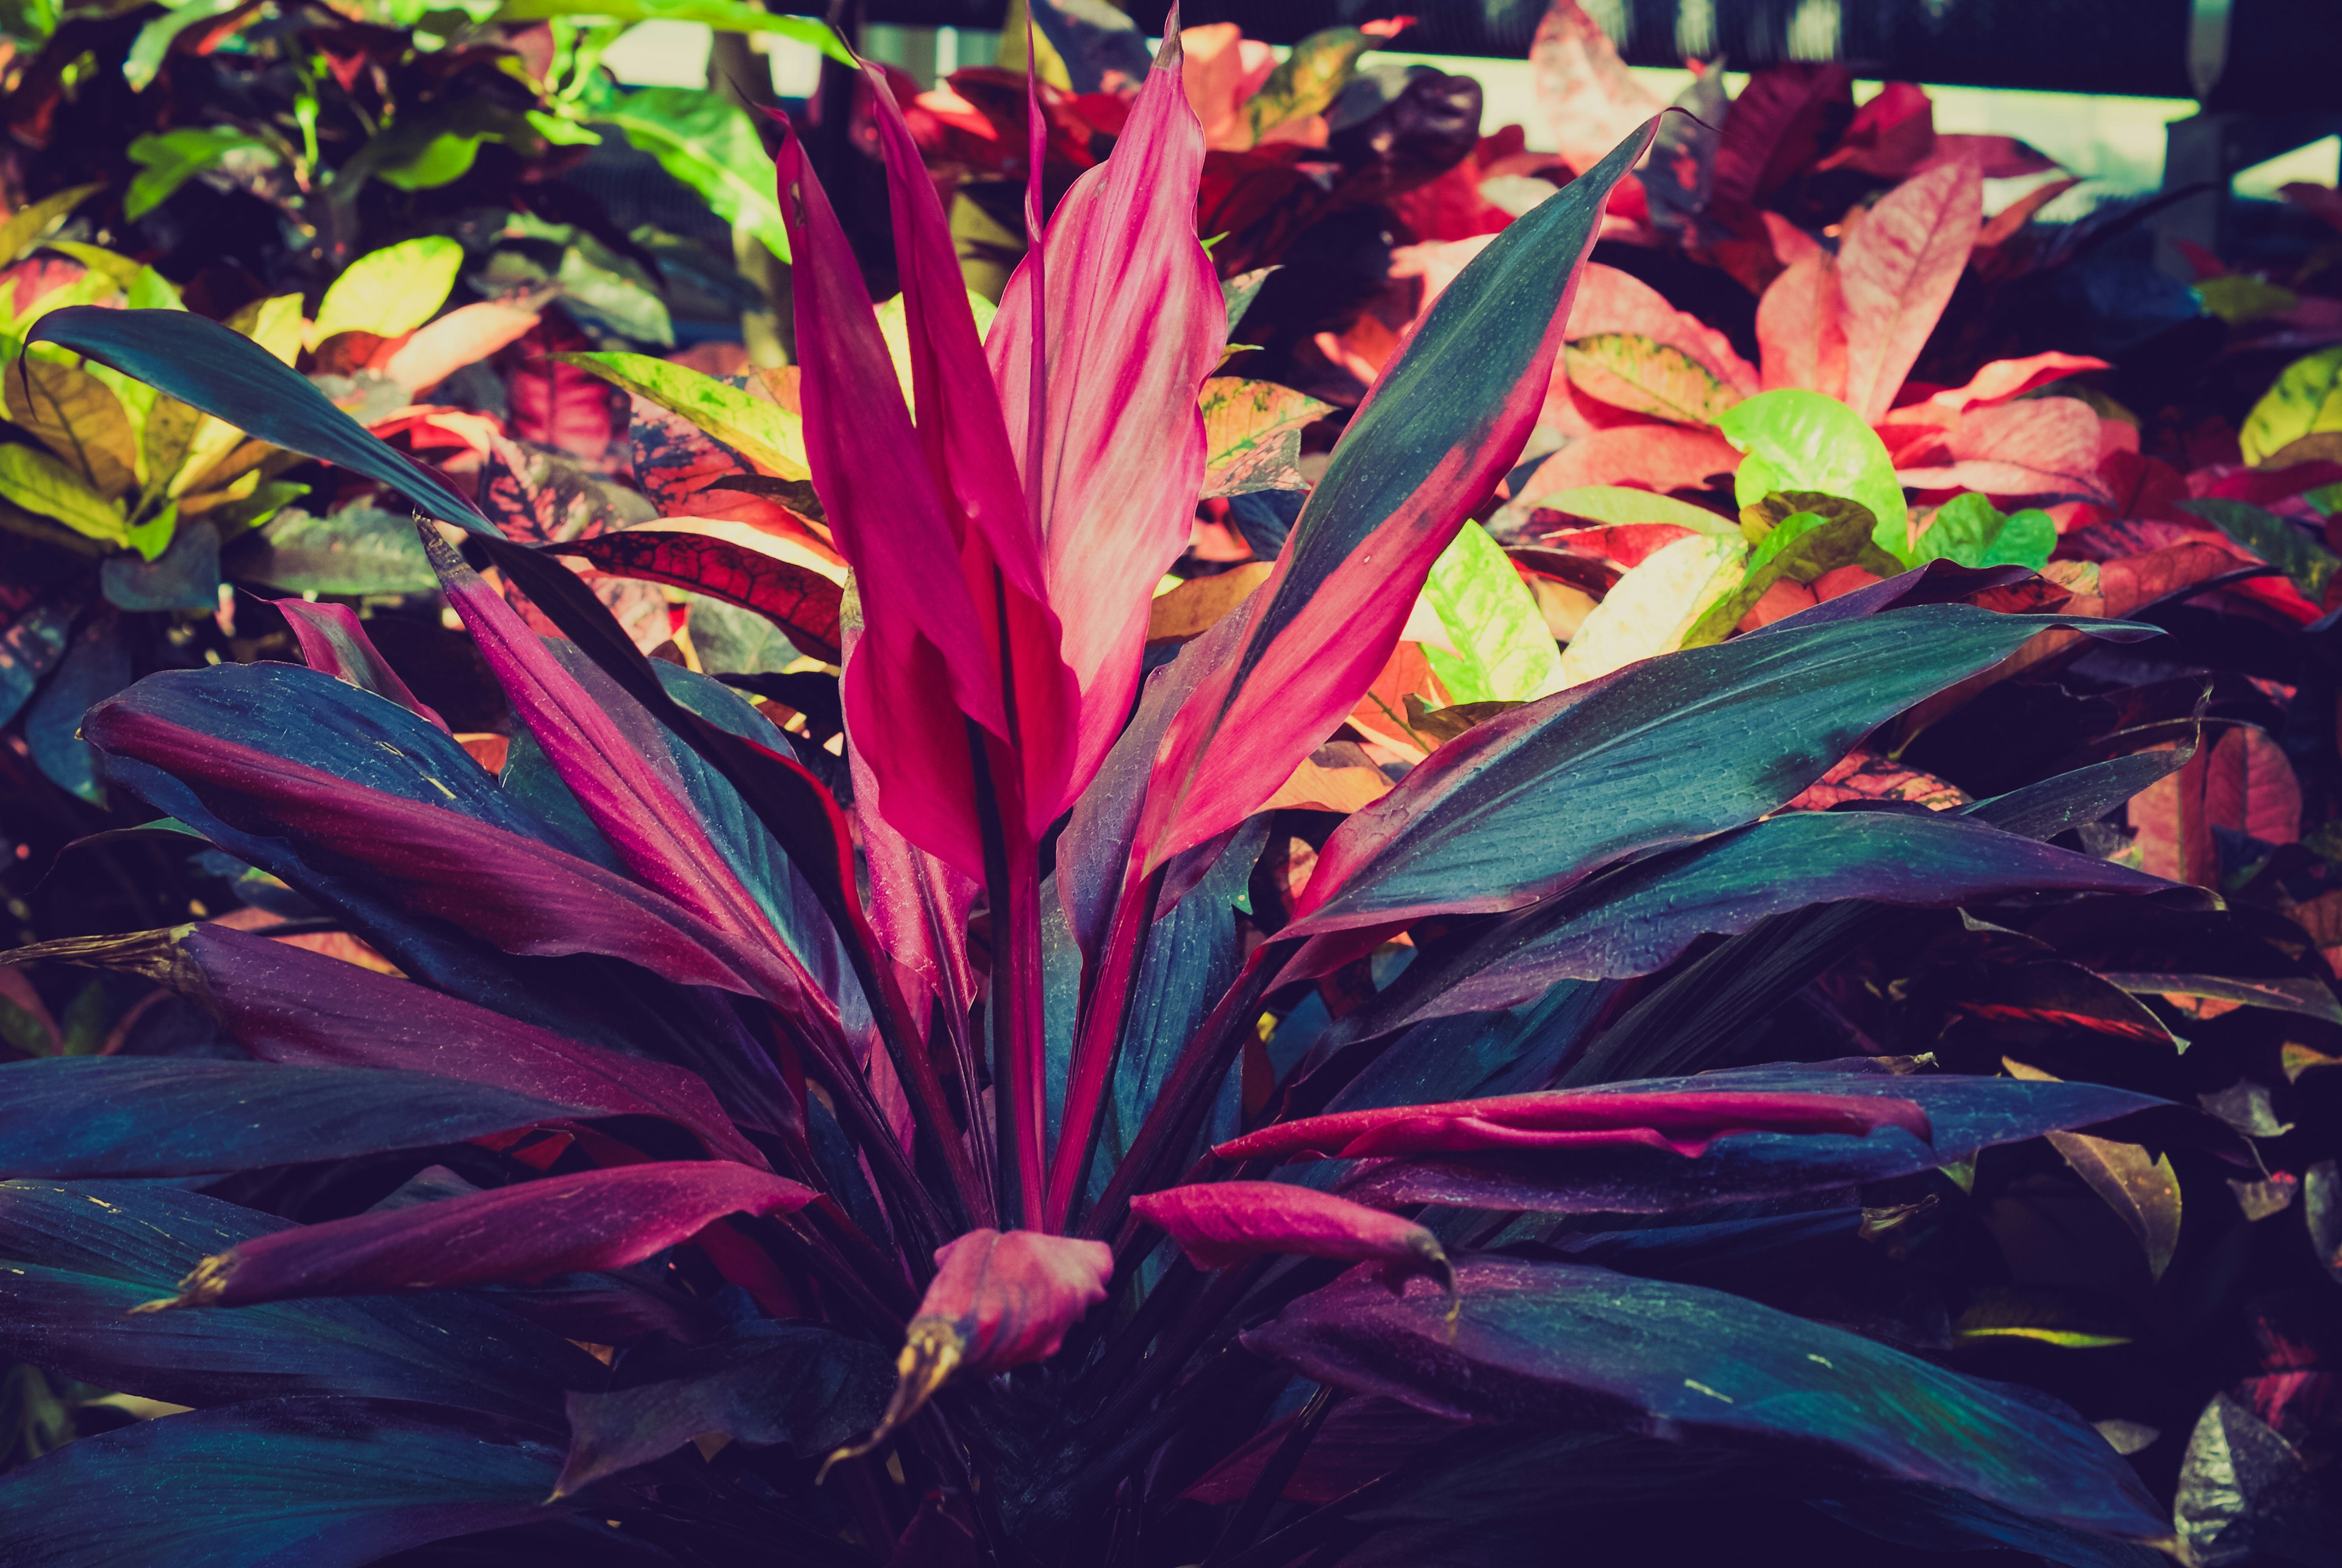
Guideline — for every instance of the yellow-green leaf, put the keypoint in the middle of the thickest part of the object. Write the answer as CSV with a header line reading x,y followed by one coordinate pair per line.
x,y
1801,546
1309,80
75,416
894,326
1648,610
39,482
1642,375
724,15
171,159
2143,1192
119,269
25,226
2306,399
1502,652
763,432
391,291
2049,1316
1252,435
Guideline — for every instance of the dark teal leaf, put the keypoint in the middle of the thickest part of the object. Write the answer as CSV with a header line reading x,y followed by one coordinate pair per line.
x,y
187,576
75,1259
297,1483
1560,1341
165,1116
96,666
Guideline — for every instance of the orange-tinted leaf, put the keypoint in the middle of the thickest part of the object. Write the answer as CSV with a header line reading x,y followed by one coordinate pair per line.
x,y
1801,328
804,602
1897,271
1638,373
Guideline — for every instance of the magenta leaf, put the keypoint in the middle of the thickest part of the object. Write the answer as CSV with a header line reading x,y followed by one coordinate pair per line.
x,y
562,1224
1221,1224
284,1004
332,639
1684,1121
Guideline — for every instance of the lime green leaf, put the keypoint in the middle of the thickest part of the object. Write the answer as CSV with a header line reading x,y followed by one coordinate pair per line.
x,y
2306,399
1618,505
154,39
152,291
561,131
708,143
152,537
1627,370
724,15
765,433
1798,440
2067,1318
1969,529
39,482
171,159
391,291
1648,610
19,233
894,326
1503,654
2237,298
1801,546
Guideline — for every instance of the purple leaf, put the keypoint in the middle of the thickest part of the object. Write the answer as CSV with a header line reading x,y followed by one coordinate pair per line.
x,y
596,1219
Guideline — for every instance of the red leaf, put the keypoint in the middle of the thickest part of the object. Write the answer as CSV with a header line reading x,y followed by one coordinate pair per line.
x,y
1995,382
1891,134
1897,271
1560,1119
552,404
1801,328
334,641
561,1225
802,601
1774,129
1219,1225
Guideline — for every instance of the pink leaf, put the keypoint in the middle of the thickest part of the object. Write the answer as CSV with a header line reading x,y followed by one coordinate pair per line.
x,y
2041,446
2250,788
463,337
562,1224
1996,382
1560,1119
1135,323
1801,328
1219,1225
554,404
1655,456
334,641
998,1300
1589,99
1897,271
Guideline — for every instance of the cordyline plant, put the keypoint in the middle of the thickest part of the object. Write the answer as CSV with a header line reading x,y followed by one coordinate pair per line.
x,y
858,1139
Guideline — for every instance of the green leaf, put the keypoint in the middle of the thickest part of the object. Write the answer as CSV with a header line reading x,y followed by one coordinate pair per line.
x,y
39,482
1619,506
1503,654
2306,399
1830,533
28,225
171,159
391,291
1969,529
598,282
2067,1318
1309,80
441,160
154,39
724,15
2237,298
708,143
2274,540
357,551
1642,375
561,131
765,433
1798,440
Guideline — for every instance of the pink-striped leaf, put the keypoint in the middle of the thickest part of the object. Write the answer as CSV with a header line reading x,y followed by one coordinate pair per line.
x,y
1801,328
1446,419
284,1004
1897,271
1564,1119
1219,1225
1130,320
333,640
563,1224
